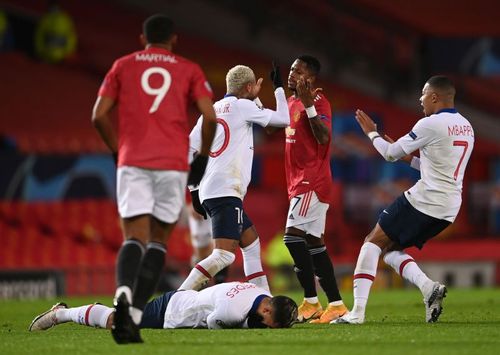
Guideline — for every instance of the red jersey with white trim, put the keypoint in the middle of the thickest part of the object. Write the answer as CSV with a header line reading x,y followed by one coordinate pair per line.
x,y
153,89
307,163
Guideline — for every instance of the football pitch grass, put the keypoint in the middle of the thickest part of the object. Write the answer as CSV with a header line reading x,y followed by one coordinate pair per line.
x,y
470,324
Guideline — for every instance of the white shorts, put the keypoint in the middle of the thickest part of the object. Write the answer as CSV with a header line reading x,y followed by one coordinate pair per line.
x,y
308,214
201,231
160,193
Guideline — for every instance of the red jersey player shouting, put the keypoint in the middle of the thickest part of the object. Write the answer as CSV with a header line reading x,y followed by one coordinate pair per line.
x,y
309,182
151,89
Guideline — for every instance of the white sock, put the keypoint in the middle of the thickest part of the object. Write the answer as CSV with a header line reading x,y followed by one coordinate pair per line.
x,y
126,290
92,315
336,303
252,265
312,300
207,268
364,274
408,269
135,314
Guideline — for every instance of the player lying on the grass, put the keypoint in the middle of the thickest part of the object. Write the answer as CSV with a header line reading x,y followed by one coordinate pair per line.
x,y
445,140
226,305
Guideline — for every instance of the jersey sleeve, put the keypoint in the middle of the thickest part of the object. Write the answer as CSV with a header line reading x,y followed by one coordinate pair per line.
x,y
421,134
111,83
195,139
253,114
324,111
199,85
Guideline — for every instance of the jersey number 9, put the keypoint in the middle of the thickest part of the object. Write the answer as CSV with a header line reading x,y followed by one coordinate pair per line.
x,y
159,92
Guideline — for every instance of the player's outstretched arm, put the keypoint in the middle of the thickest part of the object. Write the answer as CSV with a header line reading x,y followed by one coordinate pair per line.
x,y
390,151
281,117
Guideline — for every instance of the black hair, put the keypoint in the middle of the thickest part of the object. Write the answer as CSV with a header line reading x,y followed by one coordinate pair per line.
x,y
158,28
313,64
284,311
442,84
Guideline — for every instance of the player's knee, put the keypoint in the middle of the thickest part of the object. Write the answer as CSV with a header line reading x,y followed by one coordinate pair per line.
x,y
224,258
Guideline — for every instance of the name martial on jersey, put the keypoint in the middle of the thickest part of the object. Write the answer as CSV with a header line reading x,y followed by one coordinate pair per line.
x,y
155,58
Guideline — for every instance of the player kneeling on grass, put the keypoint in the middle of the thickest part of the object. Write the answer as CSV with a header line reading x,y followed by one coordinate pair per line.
x,y
226,305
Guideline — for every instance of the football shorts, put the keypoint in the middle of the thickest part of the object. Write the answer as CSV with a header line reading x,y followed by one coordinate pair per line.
x,y
160,193
307,213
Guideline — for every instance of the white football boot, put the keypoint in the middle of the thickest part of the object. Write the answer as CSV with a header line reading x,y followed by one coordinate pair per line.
x,y
350,318
433,302
47,319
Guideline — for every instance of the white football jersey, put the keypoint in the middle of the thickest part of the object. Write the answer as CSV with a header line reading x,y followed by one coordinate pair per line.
x,y
445,141
229,168
225,305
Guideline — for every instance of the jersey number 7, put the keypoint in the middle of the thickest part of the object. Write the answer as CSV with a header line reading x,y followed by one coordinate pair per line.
x,y
465,145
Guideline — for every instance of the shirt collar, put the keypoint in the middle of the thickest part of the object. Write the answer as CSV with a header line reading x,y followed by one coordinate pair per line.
x,y
256,304
229,95
448,110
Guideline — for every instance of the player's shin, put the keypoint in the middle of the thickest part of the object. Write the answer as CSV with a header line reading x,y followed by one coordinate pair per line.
x,y
252,265
147,278
93,315
303,265
207,268
364,275
408,269
323,268
127,263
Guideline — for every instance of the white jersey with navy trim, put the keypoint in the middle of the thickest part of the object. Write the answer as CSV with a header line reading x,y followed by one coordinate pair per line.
x,y
229,168
225,305
445,141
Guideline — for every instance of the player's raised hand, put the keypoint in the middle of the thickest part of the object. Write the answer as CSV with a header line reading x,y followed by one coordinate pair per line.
x,y
306,92
257,87
275,76
365,122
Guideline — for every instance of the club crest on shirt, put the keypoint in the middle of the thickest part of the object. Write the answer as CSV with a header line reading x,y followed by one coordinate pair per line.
x,y
296,116
289,131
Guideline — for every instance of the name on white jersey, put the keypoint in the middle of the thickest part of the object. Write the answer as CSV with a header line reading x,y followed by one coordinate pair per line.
x,y
155,57
239,288
456,130
222,109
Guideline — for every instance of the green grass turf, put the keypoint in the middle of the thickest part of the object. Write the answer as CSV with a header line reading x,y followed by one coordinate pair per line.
x,y
470,324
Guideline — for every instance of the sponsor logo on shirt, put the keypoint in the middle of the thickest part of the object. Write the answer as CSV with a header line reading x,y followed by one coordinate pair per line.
x,y
155,57
296,116
412,135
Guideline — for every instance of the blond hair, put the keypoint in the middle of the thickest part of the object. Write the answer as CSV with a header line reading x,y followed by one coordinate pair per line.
x,y
237,77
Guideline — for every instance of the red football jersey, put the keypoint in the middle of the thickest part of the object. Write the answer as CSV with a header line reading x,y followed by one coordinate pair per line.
x,y
307,163
153,89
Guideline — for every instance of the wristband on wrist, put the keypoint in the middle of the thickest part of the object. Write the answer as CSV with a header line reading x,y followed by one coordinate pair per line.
x,y
311,112
373,135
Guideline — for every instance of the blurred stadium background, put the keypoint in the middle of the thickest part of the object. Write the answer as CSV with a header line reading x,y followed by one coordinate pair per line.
x,y
59,229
